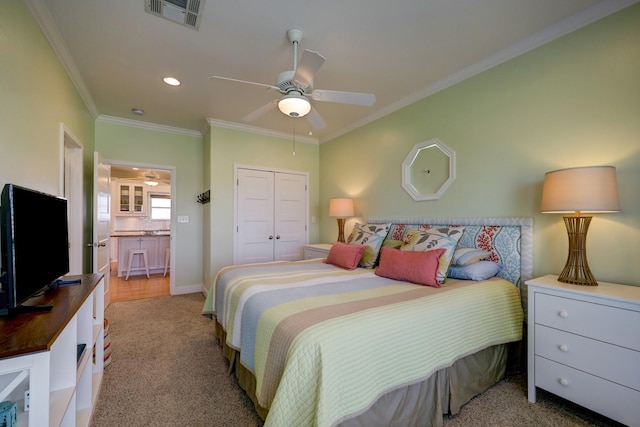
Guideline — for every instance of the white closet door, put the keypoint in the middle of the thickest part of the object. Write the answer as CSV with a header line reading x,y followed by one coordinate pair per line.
x,y
254,213
290,216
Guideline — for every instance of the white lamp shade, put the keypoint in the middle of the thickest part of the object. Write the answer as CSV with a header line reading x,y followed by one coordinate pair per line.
x,y
341,207
294,105
581,189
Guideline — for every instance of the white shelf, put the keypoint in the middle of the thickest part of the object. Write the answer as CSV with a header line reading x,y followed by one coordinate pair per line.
x,y
63,389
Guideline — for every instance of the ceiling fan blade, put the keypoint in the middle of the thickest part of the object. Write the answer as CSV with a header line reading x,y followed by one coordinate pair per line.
x,y
244,81
307,68
260,111
355,98
315,119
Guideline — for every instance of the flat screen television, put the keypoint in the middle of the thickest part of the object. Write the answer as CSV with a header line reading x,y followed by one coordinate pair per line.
x,y
35,244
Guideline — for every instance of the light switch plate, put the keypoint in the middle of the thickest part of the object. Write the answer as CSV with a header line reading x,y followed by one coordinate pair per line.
x,y
183,218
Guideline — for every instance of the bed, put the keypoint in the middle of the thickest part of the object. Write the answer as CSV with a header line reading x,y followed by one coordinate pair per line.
x,y
314,344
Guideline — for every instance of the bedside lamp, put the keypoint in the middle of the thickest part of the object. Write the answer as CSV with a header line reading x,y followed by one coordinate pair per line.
x,y
578,190
341,208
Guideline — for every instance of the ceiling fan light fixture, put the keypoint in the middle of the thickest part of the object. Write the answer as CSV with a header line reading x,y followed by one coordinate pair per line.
x,y
294,105
151,183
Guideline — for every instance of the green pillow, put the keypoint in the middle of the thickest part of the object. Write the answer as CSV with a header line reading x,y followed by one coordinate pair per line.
x,y
371,235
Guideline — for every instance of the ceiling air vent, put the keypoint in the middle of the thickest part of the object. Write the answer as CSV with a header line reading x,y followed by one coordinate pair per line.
x,y
185,12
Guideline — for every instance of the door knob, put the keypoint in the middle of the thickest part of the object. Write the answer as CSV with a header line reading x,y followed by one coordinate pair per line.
x,y
278,236
96,245
270,237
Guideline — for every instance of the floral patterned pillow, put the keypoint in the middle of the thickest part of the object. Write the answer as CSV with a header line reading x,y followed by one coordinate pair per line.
x,y
371,235
435,238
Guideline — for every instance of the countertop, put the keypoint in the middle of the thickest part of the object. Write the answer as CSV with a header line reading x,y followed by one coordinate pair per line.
x,y
138,233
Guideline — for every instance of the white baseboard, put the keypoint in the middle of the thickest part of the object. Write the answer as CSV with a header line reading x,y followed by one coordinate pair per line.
x,y
191,289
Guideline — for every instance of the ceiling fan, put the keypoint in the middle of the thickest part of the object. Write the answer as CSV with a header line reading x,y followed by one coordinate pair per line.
x,y
297,85
152,178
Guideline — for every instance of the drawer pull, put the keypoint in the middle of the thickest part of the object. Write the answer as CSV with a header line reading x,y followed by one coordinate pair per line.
x,y
563,382
563,347
563,314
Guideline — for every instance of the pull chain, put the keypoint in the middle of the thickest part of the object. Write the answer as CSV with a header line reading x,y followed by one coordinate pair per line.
x,y
294,137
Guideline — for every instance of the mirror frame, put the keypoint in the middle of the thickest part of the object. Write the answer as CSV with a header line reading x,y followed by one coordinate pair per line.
x,y
409,160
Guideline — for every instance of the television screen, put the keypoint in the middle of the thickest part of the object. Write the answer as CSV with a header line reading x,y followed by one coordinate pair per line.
x,y
35,242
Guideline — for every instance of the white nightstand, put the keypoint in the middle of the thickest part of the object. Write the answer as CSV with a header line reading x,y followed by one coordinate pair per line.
x,y
318,250
584,345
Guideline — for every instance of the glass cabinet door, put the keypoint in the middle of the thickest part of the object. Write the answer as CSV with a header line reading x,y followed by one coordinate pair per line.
x,y
125,198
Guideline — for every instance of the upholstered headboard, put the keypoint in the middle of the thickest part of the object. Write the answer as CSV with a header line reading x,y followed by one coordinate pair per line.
x,y
510,240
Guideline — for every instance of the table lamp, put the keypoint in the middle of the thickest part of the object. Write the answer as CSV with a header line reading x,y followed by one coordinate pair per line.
x,y
341,208
591,189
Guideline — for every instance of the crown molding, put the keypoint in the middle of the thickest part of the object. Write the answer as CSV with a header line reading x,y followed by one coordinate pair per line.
x,y
260,131
51,32
147,125
588,16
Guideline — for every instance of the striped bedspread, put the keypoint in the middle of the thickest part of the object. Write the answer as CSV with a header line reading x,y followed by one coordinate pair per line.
x,y
324,343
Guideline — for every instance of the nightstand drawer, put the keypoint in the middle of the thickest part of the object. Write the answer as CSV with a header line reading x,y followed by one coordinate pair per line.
x,y
602,322
615,363
605,397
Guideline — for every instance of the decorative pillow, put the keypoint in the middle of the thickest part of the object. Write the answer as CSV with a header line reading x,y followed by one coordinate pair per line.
x,y
466,256
345,256
480,270
395,244
371,235
435,238
416,267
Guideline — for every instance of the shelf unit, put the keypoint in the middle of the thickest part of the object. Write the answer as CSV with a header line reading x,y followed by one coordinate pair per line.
x,y
39,353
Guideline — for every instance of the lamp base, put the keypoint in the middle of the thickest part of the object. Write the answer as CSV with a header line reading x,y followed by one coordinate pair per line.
x,y
341,230
576,271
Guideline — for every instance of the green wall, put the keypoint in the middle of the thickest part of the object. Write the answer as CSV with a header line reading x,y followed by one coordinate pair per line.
x,y
572,102
36,97
224,148
122,143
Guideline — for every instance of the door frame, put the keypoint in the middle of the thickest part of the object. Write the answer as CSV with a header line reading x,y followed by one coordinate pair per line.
x,y
173,228
238,166
71,188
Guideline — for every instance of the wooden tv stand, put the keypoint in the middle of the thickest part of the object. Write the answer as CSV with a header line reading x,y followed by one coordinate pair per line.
x,y
39,353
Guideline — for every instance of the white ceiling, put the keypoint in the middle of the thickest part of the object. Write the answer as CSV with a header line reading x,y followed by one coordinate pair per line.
x,y
401,51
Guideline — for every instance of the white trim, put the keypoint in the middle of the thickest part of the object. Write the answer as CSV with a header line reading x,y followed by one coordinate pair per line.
x,y
191,289
51,32
71,187
173,289
147,125
591,14
260,131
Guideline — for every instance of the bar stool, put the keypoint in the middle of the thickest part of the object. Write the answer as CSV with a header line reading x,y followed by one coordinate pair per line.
x,y
167,255
134,252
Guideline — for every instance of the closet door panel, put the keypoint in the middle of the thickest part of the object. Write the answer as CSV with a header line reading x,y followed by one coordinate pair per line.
x,y
291,204
255,212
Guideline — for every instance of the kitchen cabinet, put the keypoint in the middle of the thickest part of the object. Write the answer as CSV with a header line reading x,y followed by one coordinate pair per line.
x,y
129,198
155,246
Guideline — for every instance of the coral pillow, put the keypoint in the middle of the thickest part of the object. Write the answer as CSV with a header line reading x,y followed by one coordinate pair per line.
x,y
345,256
415,267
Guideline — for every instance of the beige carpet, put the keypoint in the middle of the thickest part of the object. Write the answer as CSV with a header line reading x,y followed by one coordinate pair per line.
x,y
167,370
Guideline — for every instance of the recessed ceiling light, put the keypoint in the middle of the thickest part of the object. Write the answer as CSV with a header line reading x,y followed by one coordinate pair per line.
x,y
171,81
138,111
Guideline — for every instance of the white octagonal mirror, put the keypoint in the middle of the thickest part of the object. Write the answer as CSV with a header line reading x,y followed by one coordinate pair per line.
x,y
428,170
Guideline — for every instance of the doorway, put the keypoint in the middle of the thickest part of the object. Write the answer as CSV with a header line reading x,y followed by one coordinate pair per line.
x,y
142,220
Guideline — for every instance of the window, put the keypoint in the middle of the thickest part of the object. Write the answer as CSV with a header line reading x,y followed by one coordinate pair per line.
x,y
160,206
